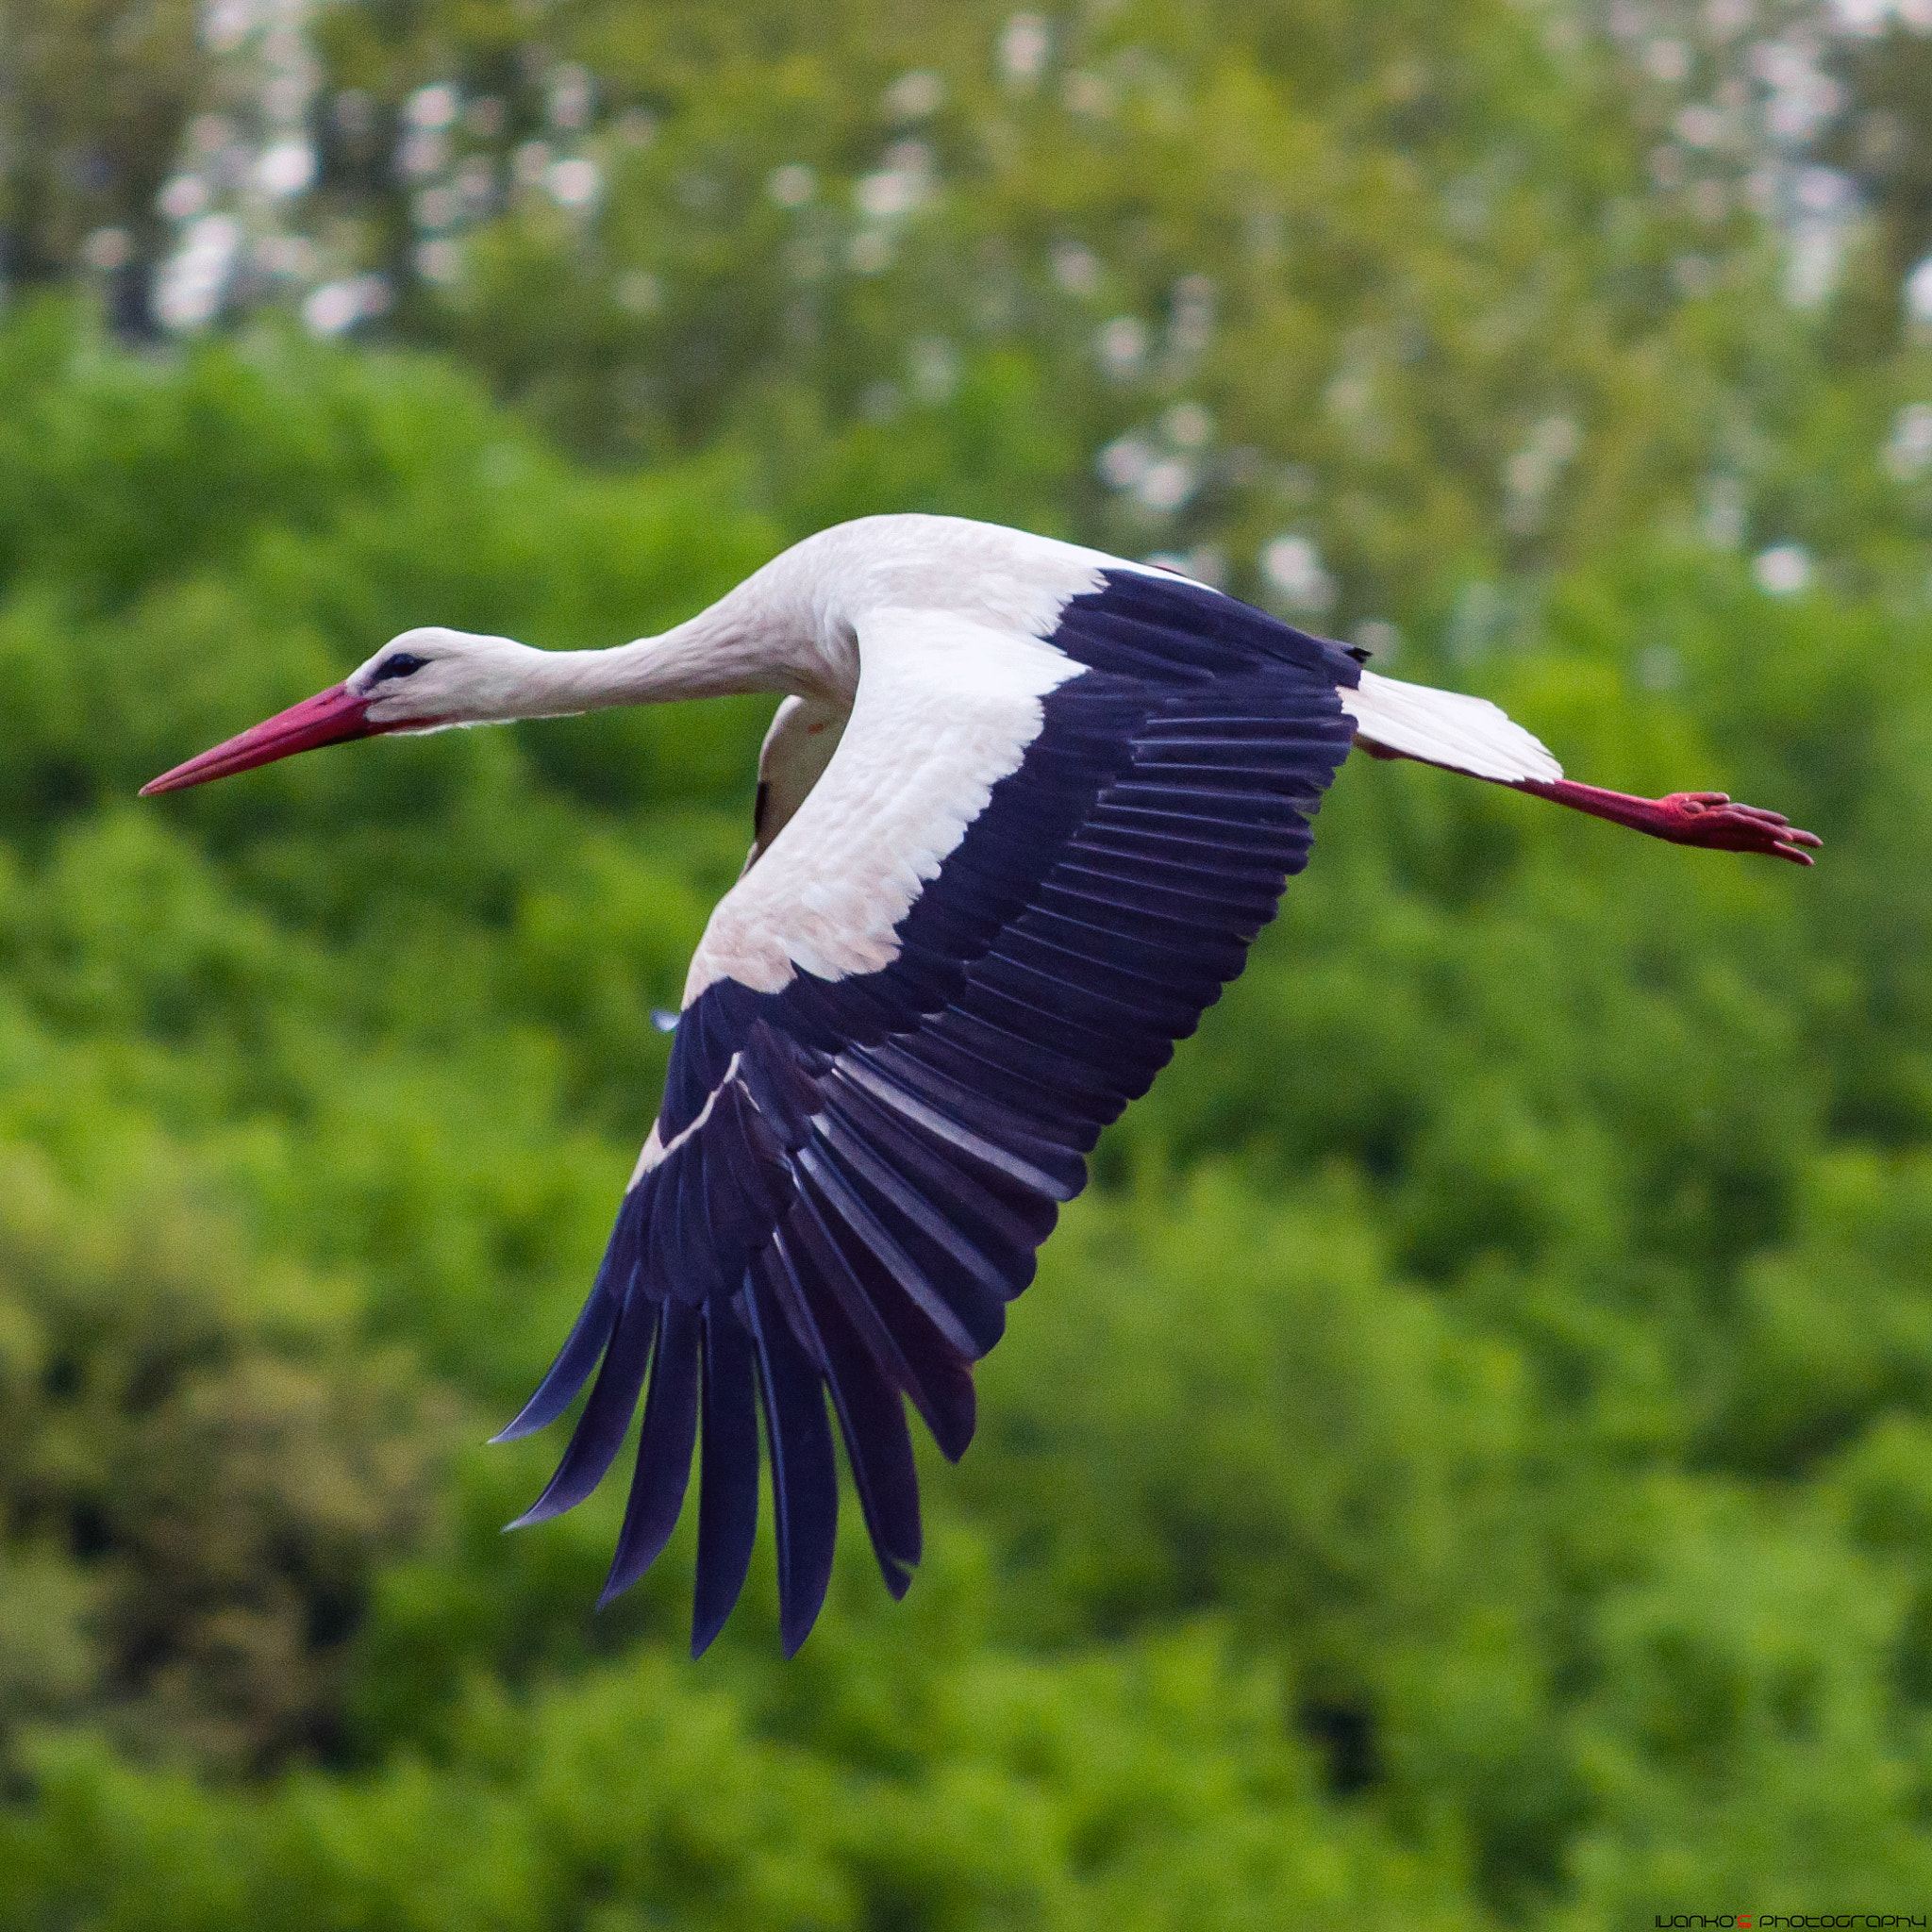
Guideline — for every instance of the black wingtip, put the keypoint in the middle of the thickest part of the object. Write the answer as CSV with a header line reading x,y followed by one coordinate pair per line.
x,y
612,1590
574,1359
727,1474
536,1514
664,1450
954,1414
606,1415
804,1472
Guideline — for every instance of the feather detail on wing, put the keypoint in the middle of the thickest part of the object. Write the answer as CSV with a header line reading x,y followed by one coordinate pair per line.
x,y
1029,866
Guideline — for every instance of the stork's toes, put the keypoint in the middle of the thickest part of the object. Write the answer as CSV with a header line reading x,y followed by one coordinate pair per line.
x,y
1709,818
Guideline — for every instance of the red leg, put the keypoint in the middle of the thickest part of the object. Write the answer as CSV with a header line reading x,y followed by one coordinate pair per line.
x,y
1686,818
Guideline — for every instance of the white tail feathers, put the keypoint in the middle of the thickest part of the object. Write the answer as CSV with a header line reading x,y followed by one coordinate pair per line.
x,y
1447,727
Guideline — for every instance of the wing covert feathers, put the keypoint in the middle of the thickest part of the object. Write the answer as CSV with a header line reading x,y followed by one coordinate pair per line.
x,y
851,1175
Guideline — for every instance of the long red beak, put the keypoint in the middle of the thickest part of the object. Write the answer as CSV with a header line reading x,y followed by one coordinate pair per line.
x,y
330,717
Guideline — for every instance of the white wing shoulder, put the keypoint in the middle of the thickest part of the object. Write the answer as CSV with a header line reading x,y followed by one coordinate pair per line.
x,y
946,708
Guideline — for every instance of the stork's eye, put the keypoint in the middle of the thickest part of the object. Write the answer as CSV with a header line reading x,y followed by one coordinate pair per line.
x,y
401,665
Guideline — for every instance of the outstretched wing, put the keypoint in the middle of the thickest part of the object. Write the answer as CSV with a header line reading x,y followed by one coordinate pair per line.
x,y
1030,865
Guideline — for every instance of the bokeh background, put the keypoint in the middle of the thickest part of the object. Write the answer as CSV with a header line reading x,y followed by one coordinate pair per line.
x,y
1467,1462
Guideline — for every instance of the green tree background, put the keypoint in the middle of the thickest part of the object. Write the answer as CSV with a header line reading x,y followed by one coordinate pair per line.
x,y
1468,1460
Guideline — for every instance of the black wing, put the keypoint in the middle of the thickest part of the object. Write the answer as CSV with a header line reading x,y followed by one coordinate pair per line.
x,y
853,1175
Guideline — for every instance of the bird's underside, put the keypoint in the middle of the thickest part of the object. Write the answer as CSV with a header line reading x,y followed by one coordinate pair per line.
x,y
1018,821
858,1155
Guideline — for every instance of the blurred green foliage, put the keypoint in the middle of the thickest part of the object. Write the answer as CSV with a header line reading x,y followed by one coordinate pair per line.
x,y
1467,1462
94,98
1093,229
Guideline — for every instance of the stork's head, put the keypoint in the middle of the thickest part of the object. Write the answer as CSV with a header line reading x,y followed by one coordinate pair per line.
x,y
420,681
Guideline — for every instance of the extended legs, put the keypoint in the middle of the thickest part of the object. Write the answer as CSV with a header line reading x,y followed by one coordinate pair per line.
x,y
1686,818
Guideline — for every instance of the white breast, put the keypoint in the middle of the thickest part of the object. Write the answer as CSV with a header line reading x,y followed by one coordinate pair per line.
x,y
804,734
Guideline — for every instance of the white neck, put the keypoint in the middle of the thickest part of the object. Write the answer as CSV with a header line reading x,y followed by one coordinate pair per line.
x,y
748,641
694,660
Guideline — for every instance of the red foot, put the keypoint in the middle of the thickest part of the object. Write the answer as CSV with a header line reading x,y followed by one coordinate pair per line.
x,y
1687,818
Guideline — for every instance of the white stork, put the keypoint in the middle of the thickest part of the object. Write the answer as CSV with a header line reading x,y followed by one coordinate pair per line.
x,y
1021,809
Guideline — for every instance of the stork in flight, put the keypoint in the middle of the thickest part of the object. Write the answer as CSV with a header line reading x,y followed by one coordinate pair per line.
x,y
1021,809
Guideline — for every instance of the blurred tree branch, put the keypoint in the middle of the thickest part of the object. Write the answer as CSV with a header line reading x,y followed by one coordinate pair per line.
x,y
93,97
